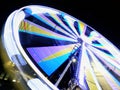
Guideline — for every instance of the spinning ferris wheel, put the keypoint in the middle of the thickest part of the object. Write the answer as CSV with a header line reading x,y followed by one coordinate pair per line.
x,y
53,50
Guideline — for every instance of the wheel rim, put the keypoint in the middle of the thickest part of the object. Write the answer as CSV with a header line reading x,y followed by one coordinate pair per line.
x,y
49,39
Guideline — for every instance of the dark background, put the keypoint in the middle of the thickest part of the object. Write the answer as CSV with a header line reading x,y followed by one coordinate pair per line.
x,y
103,16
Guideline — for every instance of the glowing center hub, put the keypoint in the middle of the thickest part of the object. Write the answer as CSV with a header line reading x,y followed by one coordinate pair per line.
x,y
79,40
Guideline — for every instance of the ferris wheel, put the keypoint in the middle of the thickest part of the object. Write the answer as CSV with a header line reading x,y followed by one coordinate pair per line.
x,y
53,50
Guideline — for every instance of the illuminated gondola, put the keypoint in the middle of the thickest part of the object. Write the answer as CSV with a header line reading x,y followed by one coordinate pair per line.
x,y
53,50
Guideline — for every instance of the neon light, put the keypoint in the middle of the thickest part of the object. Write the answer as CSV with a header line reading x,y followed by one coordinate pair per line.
x,y
109,77
68,35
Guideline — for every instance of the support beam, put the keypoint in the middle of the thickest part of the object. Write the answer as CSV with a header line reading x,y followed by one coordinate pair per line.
x,y
63,73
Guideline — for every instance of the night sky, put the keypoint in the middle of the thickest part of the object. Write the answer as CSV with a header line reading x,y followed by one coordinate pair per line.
x,y
102,16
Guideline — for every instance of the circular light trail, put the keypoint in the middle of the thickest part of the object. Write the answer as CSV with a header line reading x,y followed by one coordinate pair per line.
x,y
54,44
